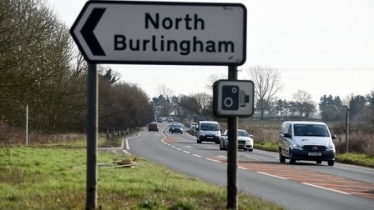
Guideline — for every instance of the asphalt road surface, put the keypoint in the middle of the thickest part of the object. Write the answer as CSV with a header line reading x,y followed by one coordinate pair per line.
x,y
304,186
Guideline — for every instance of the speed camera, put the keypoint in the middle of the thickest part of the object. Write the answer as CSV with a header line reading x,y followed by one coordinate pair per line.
x,y
233,98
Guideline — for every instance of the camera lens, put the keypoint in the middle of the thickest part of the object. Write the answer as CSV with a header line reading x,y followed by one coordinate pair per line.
x,y
228,102
234,89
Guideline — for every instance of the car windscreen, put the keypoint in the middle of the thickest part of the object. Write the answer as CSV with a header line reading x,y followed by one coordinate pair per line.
x,y
311,130
242,133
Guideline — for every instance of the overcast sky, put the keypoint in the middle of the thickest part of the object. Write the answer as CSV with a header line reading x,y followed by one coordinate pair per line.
x,y
320,46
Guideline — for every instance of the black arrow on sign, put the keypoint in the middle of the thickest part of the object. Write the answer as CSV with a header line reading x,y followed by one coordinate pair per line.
x,y
89,27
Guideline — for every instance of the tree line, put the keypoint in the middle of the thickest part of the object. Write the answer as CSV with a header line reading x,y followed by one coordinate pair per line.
x,y
41,69
267,106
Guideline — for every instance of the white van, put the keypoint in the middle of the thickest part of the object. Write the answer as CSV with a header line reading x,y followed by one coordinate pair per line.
x,y
303,140
208,131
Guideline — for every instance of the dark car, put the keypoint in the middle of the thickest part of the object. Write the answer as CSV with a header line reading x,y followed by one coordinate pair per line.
x,y
176,128
171,126
153,127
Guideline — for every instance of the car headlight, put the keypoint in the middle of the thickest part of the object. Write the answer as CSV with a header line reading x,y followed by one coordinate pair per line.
x,y
248,142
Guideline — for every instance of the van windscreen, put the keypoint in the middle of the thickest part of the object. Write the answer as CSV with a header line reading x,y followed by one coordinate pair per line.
x,y
209,127
310,130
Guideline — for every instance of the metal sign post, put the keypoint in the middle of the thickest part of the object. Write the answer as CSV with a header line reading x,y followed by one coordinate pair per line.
x,y
232,162
92,130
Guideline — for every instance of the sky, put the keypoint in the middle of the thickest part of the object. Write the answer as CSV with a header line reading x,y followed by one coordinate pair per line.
x,y
322,47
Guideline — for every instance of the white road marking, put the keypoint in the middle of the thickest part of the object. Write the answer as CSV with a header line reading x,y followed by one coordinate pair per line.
x,y
196,155
126,152
325,188
217,161
279,177
127,142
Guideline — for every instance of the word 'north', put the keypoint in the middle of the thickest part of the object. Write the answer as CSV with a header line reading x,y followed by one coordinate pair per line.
x,y
188,22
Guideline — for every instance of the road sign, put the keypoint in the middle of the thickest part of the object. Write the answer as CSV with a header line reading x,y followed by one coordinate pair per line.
x,y
233,98
161,33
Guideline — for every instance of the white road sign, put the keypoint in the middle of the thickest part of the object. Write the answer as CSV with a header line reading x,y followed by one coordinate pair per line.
x,y
161,33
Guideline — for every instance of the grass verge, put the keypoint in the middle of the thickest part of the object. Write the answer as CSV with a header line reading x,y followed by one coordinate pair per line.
x,y
54,177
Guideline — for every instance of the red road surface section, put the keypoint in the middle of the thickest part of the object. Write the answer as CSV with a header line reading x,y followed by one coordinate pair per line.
x,y
308,177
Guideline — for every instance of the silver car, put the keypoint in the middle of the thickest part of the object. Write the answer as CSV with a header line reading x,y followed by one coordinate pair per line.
x,y
245,140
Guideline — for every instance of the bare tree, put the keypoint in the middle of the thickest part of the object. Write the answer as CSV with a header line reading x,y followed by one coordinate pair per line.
x,y
266,83
213,78
204,101
165,91
304,103
190,104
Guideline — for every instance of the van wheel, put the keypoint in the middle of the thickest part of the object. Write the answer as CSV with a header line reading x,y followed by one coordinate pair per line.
x,y
292,160
282,159
330,162
198,141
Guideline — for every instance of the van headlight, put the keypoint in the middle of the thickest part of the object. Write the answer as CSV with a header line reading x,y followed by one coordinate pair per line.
x,y
296,146
331,147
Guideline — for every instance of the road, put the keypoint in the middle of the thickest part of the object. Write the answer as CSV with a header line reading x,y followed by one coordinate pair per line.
x,y
304,186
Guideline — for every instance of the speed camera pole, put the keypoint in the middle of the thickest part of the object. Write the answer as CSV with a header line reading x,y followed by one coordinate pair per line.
x,y
232,164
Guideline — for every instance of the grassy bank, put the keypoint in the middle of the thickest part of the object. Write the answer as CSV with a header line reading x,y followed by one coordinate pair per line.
x,y
53,176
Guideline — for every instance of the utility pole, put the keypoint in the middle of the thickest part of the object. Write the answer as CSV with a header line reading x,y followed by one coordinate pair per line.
x,y
27,124
346,129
